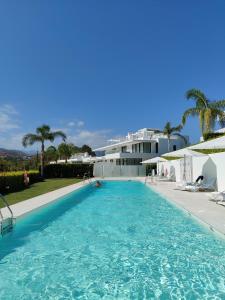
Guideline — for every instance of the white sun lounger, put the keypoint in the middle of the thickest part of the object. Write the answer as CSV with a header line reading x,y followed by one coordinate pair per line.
x,y
217,196
201,187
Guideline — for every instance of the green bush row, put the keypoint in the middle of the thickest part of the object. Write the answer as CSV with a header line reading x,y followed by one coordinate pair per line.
x,y
67,170
212,135
14,181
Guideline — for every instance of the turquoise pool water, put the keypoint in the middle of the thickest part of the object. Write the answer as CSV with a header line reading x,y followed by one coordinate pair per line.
x,y
121,241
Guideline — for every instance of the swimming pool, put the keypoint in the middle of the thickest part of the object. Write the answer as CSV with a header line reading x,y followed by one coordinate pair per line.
x,y
120,241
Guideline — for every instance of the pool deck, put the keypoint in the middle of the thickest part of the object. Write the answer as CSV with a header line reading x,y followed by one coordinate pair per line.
x,y
24,207
196,204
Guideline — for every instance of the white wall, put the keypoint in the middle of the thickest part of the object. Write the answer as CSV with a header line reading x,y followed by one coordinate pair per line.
x,y
210,166
197,166
218,165
172,167
107,170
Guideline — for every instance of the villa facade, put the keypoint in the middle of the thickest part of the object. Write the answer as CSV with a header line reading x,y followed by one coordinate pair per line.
x,y
123,157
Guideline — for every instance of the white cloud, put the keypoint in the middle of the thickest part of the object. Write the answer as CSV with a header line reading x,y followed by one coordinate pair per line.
x,y
71,124
94,139
80,123
11,141
77,123
8,120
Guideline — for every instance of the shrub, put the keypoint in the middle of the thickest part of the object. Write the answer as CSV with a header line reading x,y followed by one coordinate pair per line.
x,y
210,151
171,157
14,181
212,135
67,170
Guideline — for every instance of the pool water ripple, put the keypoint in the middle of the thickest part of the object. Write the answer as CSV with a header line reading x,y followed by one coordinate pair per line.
x,y
121,241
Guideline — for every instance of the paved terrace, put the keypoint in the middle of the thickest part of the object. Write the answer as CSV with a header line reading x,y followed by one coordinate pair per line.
x,y
197,204
22,208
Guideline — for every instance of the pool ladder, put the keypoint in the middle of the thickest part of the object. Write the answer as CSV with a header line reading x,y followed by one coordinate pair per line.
x,y
87,177
147,177
6,223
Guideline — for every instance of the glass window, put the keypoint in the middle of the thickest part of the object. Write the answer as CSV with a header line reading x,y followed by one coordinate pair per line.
x,y
147,148
156,147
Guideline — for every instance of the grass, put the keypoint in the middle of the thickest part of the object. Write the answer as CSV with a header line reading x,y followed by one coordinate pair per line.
x,y
209,151
39,188
171,157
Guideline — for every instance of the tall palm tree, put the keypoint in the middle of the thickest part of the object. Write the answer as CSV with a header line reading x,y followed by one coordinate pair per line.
x,y
42,134
169,130
209,112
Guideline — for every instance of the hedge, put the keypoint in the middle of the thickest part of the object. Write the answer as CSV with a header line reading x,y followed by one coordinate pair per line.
x,y
212,135
14,181
210,151
67,170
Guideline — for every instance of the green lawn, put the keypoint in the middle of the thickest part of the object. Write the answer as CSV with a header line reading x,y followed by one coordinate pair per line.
x,y
39,188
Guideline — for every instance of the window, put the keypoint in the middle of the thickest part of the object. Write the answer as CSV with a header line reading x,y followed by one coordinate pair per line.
x,y
129,161
156,147
124,149
174,147
147,148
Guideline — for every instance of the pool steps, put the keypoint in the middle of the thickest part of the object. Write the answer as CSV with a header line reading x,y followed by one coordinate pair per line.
x,y
6,223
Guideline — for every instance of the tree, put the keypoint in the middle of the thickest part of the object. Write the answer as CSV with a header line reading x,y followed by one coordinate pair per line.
x,y
86,148
168,131
209,112
52,154
42,135
66,150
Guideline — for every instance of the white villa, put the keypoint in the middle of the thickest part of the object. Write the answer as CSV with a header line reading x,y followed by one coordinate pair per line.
x,y
78,158
123,157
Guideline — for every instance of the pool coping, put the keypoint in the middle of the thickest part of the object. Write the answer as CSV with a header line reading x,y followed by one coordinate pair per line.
x,y
25,207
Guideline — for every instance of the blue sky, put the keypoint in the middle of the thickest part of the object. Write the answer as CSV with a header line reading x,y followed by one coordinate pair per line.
x,y
98,69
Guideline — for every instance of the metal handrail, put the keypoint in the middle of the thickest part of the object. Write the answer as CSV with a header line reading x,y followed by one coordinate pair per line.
x,y
147,177
7,205
87,176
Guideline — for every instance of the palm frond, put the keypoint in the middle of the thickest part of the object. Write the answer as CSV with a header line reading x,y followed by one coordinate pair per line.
x,y
220,104
29,139
60,134
198,96
182,136
43,130
193,112
177,128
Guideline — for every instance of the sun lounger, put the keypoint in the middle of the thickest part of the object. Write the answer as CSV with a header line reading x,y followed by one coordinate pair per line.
x,y
217,196
182,185
204,186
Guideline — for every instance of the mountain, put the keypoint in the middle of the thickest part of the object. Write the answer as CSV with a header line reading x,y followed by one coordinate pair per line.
x,y
8,153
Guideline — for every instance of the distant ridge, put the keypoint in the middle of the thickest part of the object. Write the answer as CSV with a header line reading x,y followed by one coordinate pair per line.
x,y
11,153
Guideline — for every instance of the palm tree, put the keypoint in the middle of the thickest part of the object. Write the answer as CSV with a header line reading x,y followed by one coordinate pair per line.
x,y
66,150
43,134
168,131
52,154
209,112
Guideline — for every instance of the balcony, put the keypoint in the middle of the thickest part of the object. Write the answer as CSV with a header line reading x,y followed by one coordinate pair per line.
x,y
118,155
